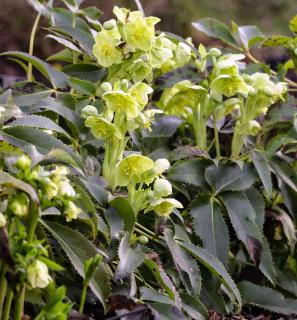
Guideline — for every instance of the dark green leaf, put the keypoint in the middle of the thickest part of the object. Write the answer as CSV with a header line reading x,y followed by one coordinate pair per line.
x,y
126,212
82,86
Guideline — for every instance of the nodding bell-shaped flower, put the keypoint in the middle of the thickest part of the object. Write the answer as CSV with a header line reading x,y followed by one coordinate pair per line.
x,y
51,189
162,188
164,207
37,274
72,211
65,189
139,33
102,129
20,204
132,168
160,166
23,162
2,220
140,92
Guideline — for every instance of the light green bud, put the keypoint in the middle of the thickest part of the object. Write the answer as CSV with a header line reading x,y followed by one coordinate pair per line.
x,y
106,86
20,204
143,240
72,211
37,274
110,24
124,84
162,188
88,111
268,91
254,127
161,165
2,220
23,162
215,52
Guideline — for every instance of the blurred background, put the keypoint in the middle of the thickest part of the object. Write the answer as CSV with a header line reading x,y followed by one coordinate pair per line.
x,y
17,17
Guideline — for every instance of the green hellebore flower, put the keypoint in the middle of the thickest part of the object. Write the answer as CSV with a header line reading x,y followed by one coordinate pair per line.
x,y
160,166
23,162
254,127
20,204
88,111
133,169
51,189
102,129
121,14
140,32
106,50
122,102
227,85
140,92
162,188
37,274
164,207
72,211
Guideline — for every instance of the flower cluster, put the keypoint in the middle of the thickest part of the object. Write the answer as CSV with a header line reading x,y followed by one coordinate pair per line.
x,y
138,173
130,48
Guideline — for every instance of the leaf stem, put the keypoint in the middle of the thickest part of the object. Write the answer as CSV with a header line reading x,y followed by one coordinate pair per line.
x,y
31,45
216,134
83,297
7,307
3,288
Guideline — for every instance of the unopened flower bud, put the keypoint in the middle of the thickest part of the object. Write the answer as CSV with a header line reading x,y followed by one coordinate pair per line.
x,y
162,188
215,52
23,162
124,84
89,111
2,220
161,165
106,86
51,190
143,240
20,204
268,91
65,189
254,127
37,274
110,24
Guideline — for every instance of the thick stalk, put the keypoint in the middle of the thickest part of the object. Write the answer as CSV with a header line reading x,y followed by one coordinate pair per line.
x,y
3,288
237,143
33,220
83,297
199,125
31,46
216,134
7,307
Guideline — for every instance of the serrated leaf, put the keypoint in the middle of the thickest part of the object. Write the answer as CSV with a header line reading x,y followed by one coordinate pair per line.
x,y
163,127
189,171
126,212
89,72
130,258
243,217
57,78
267,298
214,265
215,29
35,121
210,226
293,24
186,266
64,55
7,179
276,41
66,43
260,162
149,294
250,35
230,177
82,86
95,187
194,307
79,249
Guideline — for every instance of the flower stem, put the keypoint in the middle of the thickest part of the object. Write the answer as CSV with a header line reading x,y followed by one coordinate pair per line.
x,y
7,307
31,46
19,306
3,288
83,298
216,134
236,144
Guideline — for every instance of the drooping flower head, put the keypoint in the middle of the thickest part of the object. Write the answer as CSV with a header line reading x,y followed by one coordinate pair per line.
x,y
102,129
164,207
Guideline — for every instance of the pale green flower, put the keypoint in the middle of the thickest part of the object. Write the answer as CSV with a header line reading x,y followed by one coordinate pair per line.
x,y
132,168
228,86
66,189
106,50
161,165
72,211
164,207
102,129
162,188
51,189
121,14
23,162
140,32
140,92
254,127
122,102
88,111
20,204
37,274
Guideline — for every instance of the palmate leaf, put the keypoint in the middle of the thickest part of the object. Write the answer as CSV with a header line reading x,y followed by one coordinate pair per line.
x,y
79,249
130,258
186,266
189,172
7,179
228,176
243,217
57,78
210,226
215,266
267,298
261,164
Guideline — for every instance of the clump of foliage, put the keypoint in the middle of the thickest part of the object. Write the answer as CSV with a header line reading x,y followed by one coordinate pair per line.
x,y
145,177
